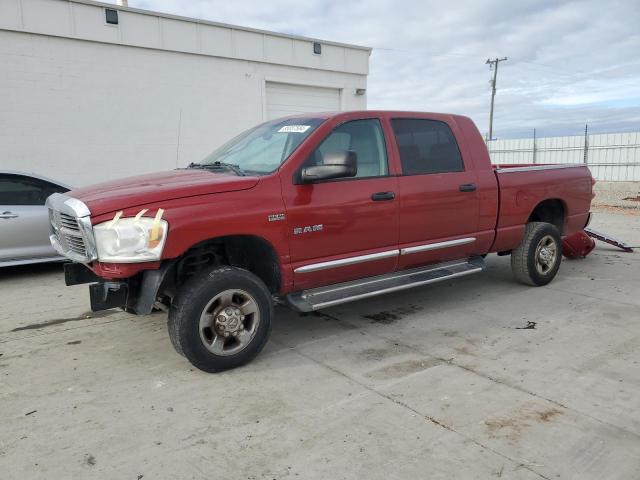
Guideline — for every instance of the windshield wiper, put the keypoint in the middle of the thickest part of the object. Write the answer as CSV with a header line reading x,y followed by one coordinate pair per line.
x,y
230,166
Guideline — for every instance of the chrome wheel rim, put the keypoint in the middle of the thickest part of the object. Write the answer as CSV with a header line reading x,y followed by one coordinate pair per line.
x,y
546,254
229,322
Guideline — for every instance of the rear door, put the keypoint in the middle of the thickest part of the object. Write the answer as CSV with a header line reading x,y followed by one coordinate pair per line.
x,y
345,228
438,216
24,220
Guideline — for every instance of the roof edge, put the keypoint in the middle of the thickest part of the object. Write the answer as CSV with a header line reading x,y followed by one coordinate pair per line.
x,y
170,16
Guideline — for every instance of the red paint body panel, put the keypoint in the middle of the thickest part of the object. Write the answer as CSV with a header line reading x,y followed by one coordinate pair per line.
x,y
162,186
433,209
201,205
112,271
486,180
522,191
352,225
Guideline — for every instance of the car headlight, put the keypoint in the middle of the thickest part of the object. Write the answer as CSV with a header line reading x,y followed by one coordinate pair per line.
x,y
129,240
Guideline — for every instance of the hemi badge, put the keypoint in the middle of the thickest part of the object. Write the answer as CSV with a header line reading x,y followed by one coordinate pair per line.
x,y
276,217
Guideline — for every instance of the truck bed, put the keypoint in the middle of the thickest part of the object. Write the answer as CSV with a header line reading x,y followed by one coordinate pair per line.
x,y
523,186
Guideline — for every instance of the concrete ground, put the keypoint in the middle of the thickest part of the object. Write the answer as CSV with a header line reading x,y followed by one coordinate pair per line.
x,y
474,378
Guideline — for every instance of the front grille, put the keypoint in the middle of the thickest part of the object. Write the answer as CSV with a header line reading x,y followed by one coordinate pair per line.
x,y
70,232
66,230
69,222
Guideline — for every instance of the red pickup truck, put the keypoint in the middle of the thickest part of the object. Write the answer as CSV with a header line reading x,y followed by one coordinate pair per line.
x,y
312,211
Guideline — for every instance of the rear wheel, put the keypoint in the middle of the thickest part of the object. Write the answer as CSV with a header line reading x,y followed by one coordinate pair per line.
x,y
221,319
537,259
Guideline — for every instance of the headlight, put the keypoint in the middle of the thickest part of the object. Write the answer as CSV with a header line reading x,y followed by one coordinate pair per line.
x,y
130,239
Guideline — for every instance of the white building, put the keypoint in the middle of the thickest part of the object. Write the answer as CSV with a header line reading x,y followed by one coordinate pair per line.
x,y
92,91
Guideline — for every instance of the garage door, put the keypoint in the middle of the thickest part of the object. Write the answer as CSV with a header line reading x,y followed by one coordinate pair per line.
x,y
284,99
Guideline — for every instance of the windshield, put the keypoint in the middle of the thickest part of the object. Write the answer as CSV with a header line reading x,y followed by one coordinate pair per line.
x,y
262,149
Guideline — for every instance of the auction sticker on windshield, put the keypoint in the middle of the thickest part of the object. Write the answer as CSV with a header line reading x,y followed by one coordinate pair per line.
x,y
294,129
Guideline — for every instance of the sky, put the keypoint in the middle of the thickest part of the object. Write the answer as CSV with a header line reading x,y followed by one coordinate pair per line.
x,y
569,62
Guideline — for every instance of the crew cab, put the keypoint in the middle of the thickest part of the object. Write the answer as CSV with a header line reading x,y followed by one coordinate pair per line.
x,y
311,211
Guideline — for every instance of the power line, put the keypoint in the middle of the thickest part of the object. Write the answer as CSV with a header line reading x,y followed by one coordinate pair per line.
x,y
493,63
552,69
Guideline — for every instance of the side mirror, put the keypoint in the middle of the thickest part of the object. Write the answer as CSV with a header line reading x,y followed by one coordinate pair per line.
x,y
335,165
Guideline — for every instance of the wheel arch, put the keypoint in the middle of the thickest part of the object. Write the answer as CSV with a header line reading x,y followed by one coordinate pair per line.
x,y
250,252
550,210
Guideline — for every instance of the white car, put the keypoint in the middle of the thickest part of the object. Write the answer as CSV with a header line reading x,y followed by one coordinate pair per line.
x,y
24,220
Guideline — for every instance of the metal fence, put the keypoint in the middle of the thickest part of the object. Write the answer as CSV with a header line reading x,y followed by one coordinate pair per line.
x,y
611,157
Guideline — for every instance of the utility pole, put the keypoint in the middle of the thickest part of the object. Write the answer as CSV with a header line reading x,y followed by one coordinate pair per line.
x,y
586,143
493,64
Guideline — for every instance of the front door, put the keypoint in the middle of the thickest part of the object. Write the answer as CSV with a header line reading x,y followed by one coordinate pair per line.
x,y
438,197
345,228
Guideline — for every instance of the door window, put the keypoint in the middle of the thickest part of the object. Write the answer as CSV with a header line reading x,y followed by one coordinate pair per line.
x,y
22,190
365,138
426,146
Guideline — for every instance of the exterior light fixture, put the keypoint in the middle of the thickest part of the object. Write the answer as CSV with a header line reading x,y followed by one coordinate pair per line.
x,y
111,16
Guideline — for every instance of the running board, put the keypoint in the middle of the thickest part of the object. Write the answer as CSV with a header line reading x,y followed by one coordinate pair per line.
x,y
330,295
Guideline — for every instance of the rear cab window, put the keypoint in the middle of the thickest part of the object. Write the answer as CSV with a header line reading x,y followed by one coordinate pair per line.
x,y
426,146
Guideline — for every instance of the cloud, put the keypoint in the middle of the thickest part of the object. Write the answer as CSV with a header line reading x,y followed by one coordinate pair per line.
x,y
569,62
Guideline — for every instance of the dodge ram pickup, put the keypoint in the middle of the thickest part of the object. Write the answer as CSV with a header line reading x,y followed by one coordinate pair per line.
x,y
311,211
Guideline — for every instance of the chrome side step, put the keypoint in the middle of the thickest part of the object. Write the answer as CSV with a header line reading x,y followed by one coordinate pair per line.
x,y
330,295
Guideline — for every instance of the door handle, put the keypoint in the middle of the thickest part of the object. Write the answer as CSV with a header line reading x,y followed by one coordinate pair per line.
x,y
8,215
468,187
382,196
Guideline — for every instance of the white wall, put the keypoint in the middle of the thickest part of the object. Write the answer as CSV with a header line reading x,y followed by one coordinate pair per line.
x,y
85,19
83,111
610,157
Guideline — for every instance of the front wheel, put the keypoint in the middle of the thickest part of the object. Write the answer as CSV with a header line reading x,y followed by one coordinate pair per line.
x,y
221,319
537,259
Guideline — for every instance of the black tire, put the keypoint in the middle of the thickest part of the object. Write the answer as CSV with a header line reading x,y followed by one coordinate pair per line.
x,y
524,266
195,295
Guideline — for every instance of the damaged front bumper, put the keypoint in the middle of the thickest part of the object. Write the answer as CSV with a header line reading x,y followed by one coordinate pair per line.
x,y
136,294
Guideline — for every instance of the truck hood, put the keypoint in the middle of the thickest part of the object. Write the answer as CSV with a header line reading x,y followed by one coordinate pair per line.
x,y
158,187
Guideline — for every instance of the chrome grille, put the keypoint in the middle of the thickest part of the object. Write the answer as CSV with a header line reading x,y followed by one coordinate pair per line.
x,y
68,221
71,235
67,231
